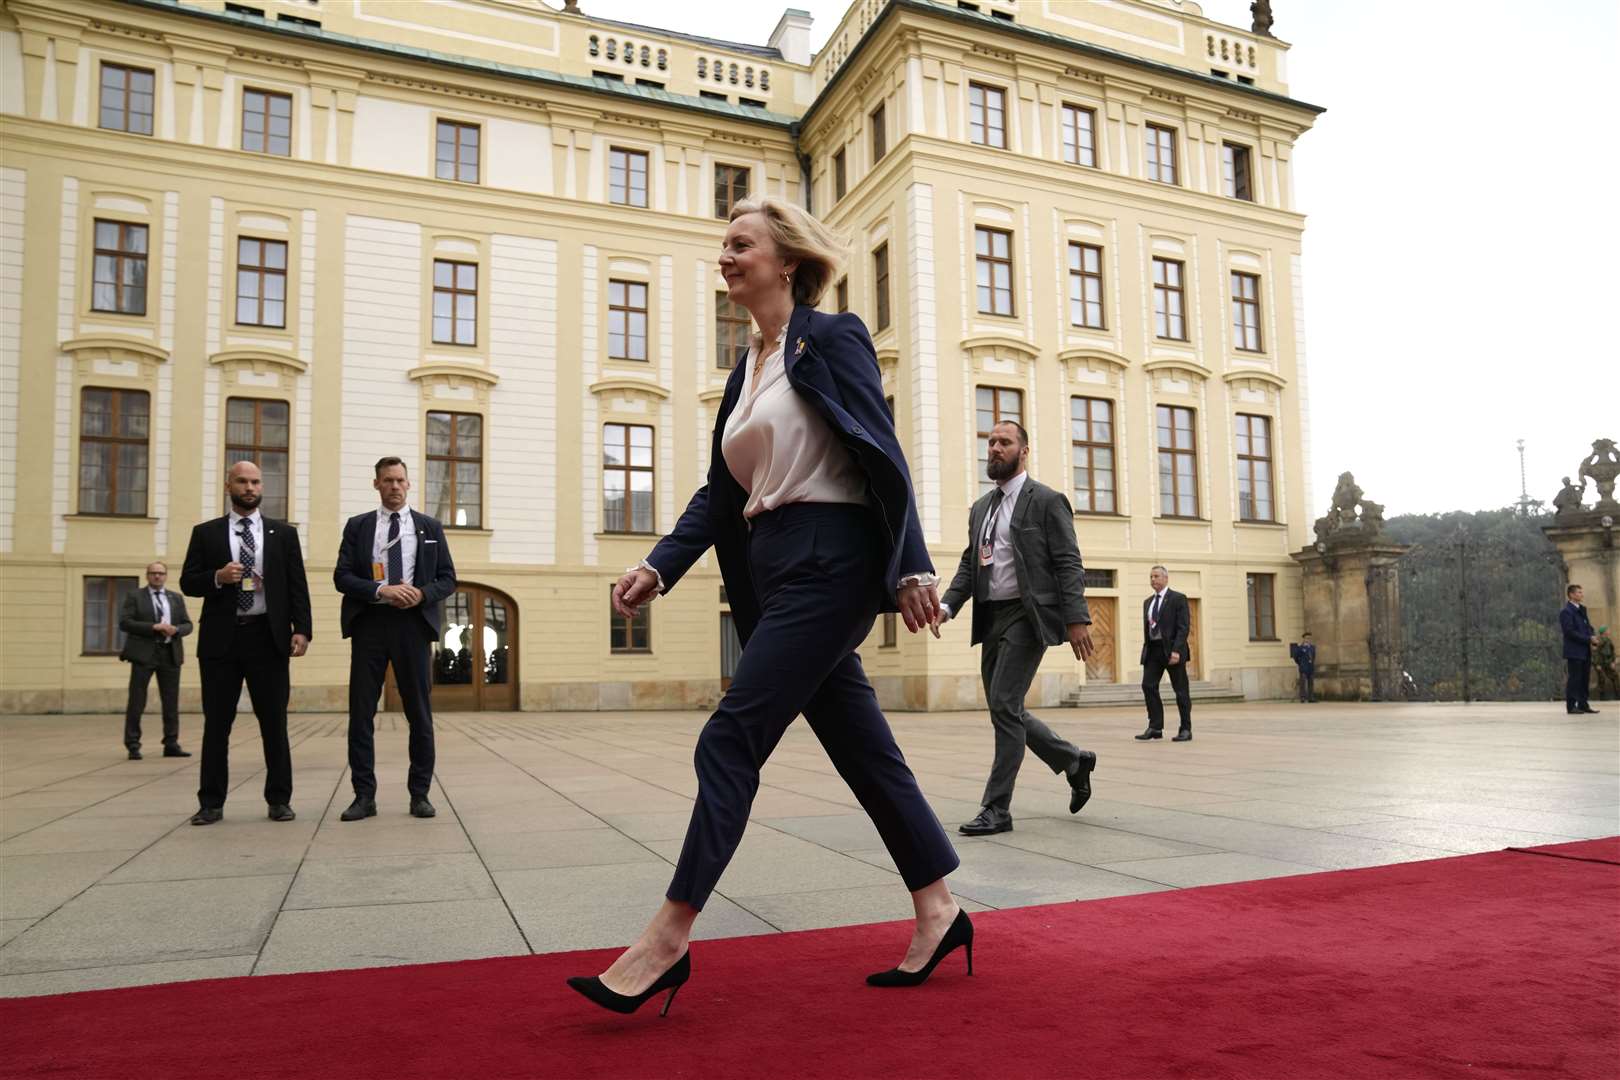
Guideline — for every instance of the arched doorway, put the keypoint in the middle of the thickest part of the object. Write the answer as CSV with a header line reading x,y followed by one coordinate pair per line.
x,y
475,659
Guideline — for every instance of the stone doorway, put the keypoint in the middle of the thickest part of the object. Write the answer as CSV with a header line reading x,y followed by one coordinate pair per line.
x,y
476,656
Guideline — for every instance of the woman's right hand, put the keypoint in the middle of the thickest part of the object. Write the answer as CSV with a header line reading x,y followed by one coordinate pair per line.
x,y
635,588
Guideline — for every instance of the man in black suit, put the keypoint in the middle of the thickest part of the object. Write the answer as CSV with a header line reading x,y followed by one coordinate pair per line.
x,y
154,620
394,571
1022,570
1165,625
1578,642
249,570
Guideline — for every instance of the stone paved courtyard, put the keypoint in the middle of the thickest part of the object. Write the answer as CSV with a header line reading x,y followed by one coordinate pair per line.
x,y
558,831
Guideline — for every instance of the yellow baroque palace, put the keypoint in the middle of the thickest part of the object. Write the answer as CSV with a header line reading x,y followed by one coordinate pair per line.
x,y
482,235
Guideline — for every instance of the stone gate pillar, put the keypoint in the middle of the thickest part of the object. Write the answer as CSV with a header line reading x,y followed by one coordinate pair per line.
x,y
1585,537
1353,600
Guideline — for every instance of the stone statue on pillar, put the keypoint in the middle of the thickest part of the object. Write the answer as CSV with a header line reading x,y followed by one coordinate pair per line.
x,y
1585,536
1261,10
1567,503
1603,466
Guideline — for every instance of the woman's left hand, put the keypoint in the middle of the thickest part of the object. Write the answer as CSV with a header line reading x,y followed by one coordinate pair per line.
x,y
919,605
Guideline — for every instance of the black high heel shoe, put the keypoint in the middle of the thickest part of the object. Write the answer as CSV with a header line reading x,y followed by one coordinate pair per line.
x,y
960,934
671,980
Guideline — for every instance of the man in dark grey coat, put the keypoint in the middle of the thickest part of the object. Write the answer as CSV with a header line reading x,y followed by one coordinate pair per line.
x,y
154,620
1022,567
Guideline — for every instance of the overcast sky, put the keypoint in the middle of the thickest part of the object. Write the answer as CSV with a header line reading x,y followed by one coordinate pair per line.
x,y
1461,275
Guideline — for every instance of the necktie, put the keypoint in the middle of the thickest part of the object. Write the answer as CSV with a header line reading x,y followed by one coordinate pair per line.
x,y
1153,616
157,606
244,598
990,518
396,554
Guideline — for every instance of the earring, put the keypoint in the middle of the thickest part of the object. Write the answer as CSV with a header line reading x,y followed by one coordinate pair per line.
x,y
786,276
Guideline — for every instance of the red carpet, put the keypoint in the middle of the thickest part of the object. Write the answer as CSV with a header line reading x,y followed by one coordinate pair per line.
x,y
1497,965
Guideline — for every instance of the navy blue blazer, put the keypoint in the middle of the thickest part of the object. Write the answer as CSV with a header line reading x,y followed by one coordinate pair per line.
x,y
831,363
435,573
1577,630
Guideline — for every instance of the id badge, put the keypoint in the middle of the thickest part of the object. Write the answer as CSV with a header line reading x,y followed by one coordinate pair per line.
x,y
378,572
250,582
986,552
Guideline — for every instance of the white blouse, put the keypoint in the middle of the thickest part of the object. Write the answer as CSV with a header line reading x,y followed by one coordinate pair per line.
x,y
779,449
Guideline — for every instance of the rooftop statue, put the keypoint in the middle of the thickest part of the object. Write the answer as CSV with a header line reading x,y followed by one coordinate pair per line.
x,y
1602,466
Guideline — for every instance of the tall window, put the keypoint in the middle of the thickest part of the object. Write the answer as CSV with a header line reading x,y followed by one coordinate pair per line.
x,y
992,249
261,282
1262,607
1178,463
730,188
455,302
730,331
1079,135
1235,171
113,431
880,278
627,320
267,122
455,469
256,431
840,176
103,600
1254,468
880,133
456,157
627,177
1246,311
993,404
1169,300
841,294
627,478
126,99
1161,154
1091,435
119,280
1086,286
630,635
987,115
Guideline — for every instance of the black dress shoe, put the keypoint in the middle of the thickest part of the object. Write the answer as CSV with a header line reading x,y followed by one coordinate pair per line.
x,y
420,807
988,823
362,807
1184,735
134,755
1587,709
175,751
1151,733
281,812
1080,781
207,815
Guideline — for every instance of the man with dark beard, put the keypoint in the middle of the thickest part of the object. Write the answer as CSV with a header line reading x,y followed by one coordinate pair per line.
x,y
1022,566
249,570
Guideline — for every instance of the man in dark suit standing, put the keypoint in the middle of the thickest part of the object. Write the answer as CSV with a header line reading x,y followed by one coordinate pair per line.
x,y
154,620
1165,625
394,571
249,570
1578,642
1303,654
1022,570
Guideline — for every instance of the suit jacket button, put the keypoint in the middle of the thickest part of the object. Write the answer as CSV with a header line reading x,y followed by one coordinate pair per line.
x,y
857,430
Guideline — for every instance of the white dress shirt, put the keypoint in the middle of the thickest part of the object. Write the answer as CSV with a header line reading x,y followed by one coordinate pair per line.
x,y
407,544
1003,573
256,523
779,449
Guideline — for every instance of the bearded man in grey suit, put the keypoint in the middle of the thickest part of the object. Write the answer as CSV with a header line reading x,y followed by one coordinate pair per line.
x,y
1022,568
154,620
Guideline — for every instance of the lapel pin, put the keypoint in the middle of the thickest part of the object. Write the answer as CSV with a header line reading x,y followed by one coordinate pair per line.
x,y
798,347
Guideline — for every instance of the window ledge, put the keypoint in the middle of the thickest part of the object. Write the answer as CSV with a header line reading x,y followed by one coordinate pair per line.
x,y
1246,524
140,518
627,535
1115,514
1182,520
465,530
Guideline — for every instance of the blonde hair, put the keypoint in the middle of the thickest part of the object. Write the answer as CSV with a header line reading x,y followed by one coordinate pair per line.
x,y
798,236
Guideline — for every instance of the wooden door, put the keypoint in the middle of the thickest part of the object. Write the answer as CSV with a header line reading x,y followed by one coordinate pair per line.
x,y
1103,667
476,654
1195,666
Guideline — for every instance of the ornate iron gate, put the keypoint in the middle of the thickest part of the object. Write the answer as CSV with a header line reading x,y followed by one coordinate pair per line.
x,y
1478,616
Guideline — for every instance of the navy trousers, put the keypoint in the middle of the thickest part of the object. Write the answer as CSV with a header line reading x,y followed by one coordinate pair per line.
x,y
386,635
818,575
1577,685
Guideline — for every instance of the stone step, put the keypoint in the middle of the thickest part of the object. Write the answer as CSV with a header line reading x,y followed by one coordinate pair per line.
x,y
1099,694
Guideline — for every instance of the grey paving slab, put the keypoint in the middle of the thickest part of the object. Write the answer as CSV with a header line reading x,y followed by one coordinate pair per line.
x,y
1450,838
1473,813
1076,840
838,907
768,863
610,925
525,817
667,825
147,922
1282,813
1213,868
581,847
32,886
24,819
840,832
403,835
389,879
109,978
325,939
995,875
93,834
10,928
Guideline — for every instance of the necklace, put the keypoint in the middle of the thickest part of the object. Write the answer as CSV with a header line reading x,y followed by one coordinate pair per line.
x,y
763,355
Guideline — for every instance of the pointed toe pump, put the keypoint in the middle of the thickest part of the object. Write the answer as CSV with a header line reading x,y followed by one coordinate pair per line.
x,y
671,980
960,934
